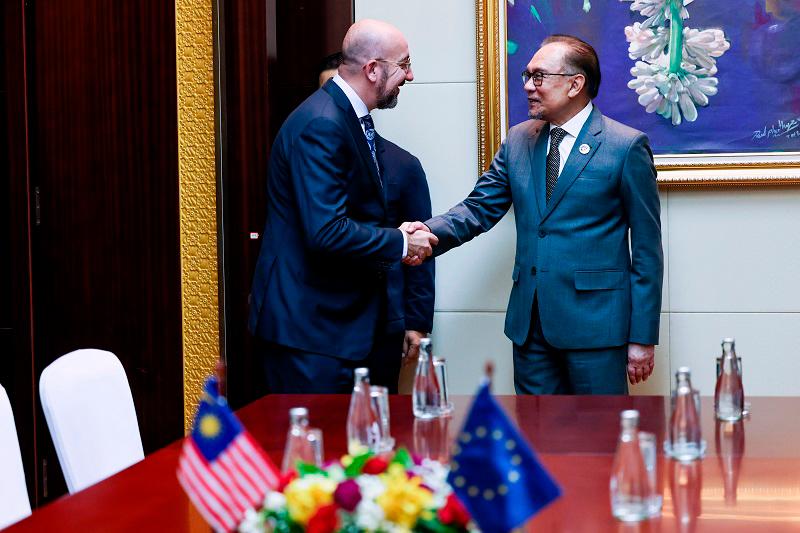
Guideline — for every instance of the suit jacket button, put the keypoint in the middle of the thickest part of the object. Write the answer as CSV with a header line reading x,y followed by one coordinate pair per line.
x,y
542,233
533,270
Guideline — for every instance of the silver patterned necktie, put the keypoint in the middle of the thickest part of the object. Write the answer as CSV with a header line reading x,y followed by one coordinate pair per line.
x,y
553,160
369,131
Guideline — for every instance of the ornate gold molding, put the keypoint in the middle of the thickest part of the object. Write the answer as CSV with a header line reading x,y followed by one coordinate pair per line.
x,y
198,196
488,65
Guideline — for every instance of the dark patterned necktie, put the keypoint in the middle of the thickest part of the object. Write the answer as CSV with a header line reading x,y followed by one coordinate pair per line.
x,y
553,160
369,131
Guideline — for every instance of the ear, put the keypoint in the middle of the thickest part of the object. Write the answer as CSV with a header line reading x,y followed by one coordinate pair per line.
x,y
371,70
577,85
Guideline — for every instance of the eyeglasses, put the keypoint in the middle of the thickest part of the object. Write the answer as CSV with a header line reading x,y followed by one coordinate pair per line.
x,y
538,77
404,65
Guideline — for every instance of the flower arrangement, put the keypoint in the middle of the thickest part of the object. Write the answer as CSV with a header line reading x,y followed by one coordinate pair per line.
x,y
365,493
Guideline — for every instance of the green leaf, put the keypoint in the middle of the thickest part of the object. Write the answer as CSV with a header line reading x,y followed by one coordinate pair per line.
x,y
434,526
304,469
354,468
536,13
402,457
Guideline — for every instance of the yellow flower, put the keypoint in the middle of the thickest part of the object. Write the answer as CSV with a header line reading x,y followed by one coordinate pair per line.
x,y
305,495
404,499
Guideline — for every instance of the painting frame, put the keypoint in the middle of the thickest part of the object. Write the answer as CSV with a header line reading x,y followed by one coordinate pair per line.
x,y
703,170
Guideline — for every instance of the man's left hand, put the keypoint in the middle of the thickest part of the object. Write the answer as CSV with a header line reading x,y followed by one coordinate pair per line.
x,y
641,360
411,346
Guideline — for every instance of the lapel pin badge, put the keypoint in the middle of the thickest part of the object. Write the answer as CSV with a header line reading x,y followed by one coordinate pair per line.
x,y
584,149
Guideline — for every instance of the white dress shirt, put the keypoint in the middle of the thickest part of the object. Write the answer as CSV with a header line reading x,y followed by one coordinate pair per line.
x,y
573,127
361,111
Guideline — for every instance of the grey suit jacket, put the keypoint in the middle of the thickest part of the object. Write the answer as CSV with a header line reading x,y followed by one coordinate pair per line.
x,y
593,253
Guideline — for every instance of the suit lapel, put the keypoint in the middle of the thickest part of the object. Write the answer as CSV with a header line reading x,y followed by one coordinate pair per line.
x,y
576,161
360,140
537,150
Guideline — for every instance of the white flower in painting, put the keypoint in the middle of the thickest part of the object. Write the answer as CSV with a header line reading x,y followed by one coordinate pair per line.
x,y
646,43
701,47
673,96
656,11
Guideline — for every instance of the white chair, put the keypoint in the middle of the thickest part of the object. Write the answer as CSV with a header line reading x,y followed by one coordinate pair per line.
x,y
14,503
89,410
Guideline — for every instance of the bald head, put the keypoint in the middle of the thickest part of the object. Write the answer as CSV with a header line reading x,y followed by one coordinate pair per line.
x,y
369,39
375,62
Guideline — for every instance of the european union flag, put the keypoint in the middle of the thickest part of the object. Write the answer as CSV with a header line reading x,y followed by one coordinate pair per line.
x,y
494,472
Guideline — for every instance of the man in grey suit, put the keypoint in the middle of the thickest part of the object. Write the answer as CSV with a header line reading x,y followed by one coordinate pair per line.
x,y
585,304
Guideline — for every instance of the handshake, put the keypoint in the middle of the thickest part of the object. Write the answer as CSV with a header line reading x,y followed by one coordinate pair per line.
x,y
420,242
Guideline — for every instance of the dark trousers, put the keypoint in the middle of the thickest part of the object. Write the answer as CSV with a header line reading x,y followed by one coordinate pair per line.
x,y
540,368
292,371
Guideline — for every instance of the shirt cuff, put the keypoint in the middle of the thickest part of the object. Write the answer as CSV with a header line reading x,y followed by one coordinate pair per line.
x,y
405,244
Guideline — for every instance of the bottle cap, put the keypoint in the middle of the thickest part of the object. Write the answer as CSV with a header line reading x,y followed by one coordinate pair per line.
x,y
728,339
362,372
629,414
685,370
298,414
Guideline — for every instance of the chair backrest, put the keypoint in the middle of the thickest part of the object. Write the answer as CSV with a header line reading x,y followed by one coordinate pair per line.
x,y
90,413
14,503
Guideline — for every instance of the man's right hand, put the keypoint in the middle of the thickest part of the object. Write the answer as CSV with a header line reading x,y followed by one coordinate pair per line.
x,y
420,242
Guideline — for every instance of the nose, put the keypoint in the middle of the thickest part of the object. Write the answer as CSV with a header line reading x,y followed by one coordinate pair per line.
x,y
529,85
409,74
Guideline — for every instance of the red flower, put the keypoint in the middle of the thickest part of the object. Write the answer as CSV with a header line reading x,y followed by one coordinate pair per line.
x,y
347,495
325,520
285,479
375,465
453,513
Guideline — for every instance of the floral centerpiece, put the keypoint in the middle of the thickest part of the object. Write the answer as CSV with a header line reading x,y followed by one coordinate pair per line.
x,y
388,493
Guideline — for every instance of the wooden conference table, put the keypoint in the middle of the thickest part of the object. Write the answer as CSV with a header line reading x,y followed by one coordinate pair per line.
x,y
748,481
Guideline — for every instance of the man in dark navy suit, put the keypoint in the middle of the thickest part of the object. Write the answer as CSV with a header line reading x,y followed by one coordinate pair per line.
x,y
319,299
410,289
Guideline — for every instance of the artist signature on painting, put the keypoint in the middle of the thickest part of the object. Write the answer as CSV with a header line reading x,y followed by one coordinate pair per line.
x,y
786,129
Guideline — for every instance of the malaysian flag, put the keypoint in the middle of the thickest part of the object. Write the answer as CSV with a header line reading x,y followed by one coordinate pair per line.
x,y
222,469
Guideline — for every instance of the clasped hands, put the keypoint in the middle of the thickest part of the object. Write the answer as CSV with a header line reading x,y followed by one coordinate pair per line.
x,y
420,242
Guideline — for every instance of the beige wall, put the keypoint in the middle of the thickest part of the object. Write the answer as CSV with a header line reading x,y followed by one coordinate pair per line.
x,y
732,257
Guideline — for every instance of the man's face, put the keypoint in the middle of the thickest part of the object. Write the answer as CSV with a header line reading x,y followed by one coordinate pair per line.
x,y
393,74
547,101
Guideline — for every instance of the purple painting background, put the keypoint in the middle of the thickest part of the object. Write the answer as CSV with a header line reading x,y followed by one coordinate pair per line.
x,y
759,76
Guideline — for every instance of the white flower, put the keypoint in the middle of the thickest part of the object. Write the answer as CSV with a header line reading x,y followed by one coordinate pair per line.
x,y
370,486
274,501
673,96
369,515
253,522
647,43
657,11
701,47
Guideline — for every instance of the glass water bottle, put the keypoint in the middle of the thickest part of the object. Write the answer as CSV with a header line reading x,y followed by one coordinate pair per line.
x,y
631,491
685,439
426,395
729,393
297,446
363,424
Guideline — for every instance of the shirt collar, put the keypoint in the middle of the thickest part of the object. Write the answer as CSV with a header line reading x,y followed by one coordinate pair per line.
x,y
574,125
358,104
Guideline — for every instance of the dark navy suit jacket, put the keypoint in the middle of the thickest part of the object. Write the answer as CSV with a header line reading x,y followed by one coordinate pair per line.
x,y
321,275
410,289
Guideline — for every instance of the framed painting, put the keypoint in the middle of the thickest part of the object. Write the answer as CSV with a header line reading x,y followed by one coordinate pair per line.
x,y
715,85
